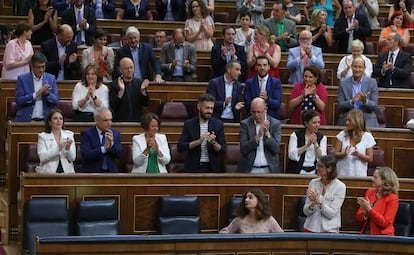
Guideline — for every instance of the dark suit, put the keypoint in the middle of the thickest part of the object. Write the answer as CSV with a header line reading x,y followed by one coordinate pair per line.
x,y
69,17
191,132
342,37
129,107
218,63
345,96
24,96
92,156
178,9
168,55
217,88
248,145
273,90
49,48
402,69
108,9
146,55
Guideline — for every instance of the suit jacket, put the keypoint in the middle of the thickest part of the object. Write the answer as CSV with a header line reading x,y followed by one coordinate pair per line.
x,y
178,9
127,109
139,144
345,96
69,17
24,96
146,55
49,48
295,64
49,153
217,88
108,9
167,56
381,217
402,69
218,63
290,28
342,37
248,145
115,44
273,90
191,132
88,57
92,156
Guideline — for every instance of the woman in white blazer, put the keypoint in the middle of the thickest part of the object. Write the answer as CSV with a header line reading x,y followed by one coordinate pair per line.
x,y
150,151
56,146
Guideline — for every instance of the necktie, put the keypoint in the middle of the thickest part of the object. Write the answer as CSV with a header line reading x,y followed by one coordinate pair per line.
x,y
262,85
79,35
305,61
104,159
388,74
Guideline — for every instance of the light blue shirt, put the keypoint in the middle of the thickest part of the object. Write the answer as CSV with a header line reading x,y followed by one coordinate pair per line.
x,y
135,57
227,112
179,55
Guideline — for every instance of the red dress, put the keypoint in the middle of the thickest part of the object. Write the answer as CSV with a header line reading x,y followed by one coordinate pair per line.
x,y
274,72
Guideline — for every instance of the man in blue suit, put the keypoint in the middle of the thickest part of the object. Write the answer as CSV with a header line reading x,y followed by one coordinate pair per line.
x,y
222,53
264,86
141,54
228,93
304,55
203,138
100,145
104,9
36,92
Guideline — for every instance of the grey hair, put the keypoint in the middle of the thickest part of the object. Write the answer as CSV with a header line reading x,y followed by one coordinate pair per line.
x,y
132,29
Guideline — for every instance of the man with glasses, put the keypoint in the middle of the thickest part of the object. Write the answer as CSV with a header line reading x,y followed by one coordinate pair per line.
x,y
284,29
303,55
260,137
36,92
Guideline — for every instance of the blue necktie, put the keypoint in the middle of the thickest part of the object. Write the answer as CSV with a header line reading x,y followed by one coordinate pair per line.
x,y
79,35
104,160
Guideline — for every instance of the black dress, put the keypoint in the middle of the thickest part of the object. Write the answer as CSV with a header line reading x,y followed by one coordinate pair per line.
x,y
320,41
45,32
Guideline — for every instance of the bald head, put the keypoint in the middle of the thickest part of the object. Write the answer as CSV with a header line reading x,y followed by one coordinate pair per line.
x,y
358,60
64,34
126,67
258,109
305,37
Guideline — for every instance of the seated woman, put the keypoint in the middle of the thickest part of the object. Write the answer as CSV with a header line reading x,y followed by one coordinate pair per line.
x,y
44,21
150,151
264,46
100,54
134,9
310,94
199,26
325,196
397,24
253,215
379,207
245,34
56,146
306,145
321,33
344,67
354,146
89,94
18,52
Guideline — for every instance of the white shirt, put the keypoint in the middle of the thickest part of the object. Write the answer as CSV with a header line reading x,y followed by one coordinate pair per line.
x,y
260,159
204,152
310,155
80,92
342,66
38,106
227,111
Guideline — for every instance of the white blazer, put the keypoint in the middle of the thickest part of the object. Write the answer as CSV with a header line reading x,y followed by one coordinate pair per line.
x,y
141,161
49,154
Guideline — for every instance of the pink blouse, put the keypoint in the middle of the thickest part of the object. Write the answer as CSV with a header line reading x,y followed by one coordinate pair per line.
x,y
242,225
14,52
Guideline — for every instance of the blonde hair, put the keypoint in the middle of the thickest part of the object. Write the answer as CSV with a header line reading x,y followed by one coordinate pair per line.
x,y
391,183
264,30
315,14
357,44
356,117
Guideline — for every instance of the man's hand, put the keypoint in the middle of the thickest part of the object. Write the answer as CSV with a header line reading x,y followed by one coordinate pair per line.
x,y
73,57
109,139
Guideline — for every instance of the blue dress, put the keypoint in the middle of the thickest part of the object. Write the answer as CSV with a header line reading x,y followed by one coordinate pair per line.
x,y
329,10
138,12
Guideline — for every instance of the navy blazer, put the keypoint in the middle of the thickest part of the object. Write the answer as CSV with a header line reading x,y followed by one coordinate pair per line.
x,y
24,96
178,9
108,9
217,88
342,37
146,55
191,132
402,69
219,64
49,48
69,17
92,156
274,93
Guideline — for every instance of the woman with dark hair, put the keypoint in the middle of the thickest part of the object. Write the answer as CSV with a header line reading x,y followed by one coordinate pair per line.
x,y
44,21
397,24
89,94
199,26
150,151
253,215
56,146
354,146
245,34
7,33
18,52
100,54
404,6
310,94
379,207
324,199
306,145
